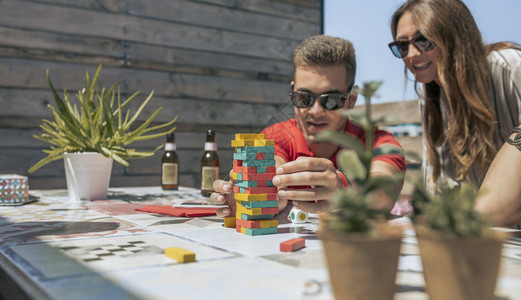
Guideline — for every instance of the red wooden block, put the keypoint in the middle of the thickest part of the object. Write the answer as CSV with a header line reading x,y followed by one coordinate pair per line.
x,y
271,196
247,224
236,189
292,245
245,170
260,156
258,177
237,163
270,169
262,183
269,210
238,227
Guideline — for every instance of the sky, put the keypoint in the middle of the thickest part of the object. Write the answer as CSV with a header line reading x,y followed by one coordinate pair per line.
x,y
367,24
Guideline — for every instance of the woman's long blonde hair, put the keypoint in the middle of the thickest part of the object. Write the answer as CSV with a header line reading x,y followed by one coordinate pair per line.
x,y
464,79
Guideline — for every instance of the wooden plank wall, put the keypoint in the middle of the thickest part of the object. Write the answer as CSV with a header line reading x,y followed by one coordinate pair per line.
x,y
220,64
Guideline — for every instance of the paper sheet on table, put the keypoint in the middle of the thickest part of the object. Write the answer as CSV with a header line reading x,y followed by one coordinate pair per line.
x,y
179,211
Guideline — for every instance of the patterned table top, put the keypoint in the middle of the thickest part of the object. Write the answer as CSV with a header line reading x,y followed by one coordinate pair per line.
x,y
107,249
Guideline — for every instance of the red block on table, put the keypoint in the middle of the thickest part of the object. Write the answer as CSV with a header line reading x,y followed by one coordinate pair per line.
x,y
237,163
292,245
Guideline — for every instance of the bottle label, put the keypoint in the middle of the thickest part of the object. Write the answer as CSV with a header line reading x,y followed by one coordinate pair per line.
x,y
170,147
208,176
210,146
169,173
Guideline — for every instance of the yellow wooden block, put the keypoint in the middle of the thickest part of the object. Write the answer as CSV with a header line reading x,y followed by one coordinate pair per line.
x,y
251,197
250,136
180,255
243,230
242,143
260,143
249,211
268,223
234,176
229,222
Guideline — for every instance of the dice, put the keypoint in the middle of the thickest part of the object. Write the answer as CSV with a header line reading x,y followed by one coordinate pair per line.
x,y
297,216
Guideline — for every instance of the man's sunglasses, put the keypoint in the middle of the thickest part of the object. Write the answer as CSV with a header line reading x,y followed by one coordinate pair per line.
x,y
400,48
328,101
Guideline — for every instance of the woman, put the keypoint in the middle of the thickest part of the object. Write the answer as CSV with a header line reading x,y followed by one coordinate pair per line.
x,y
470,98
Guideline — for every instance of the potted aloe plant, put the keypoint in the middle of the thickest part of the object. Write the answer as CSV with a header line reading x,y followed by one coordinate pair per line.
x,y
92,132
459,252
361,249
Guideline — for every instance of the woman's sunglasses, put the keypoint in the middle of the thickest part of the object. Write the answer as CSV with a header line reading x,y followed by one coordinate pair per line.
x,y
400,48
327,101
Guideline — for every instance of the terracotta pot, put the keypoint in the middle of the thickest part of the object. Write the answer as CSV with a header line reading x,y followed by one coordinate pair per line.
x,y
362,266
88,175
459,268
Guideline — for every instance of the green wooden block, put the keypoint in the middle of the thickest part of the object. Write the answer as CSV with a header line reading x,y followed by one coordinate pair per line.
x,y
252,156
258,163
269,156
253,149
269,183
245,156
259,204
261,231
245,183
255,218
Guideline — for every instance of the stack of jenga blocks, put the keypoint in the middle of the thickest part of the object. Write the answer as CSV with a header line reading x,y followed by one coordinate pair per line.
x,y
255,195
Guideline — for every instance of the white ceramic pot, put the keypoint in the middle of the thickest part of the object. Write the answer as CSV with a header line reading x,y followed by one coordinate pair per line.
x,y
88,175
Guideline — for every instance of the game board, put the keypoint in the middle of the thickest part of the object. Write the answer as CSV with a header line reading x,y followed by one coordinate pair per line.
x,y
24,232
83,256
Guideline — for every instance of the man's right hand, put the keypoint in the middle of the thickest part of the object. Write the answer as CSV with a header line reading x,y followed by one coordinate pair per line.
x,y
224,196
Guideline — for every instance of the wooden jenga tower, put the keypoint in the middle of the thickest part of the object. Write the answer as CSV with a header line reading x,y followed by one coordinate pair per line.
x,y
255,195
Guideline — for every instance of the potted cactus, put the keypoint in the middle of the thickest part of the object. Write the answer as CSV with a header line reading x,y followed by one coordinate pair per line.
x,y
92,132
459,252
360,247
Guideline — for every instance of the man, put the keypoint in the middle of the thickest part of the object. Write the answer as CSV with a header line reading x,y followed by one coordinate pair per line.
x,y
324,73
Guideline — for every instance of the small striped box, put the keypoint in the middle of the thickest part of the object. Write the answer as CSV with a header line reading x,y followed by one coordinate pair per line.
x,y
14,189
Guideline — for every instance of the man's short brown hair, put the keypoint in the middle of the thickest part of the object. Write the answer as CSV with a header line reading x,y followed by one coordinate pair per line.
x,y
323,50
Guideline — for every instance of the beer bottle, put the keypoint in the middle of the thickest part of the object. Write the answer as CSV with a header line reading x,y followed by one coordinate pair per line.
x,y
170,165
209,164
